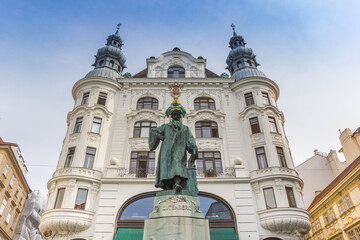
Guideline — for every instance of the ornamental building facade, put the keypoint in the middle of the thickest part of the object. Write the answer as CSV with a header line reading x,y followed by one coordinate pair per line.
x,y
103,187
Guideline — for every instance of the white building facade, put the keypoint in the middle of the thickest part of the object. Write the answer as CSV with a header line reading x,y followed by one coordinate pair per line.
x,y
103,187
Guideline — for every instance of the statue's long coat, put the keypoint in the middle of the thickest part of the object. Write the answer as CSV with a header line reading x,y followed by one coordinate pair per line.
x,y
177,139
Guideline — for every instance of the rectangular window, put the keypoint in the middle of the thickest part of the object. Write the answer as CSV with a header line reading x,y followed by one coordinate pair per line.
x,y
142,163
209,163
273,127
281,156
254,124
59,198
9,215
14,222
81,199
290,197
329,216
316,226
85,98
89,157
261,157
249,100
96,125
17,191
354,234
6,169
344,204
269,198
102,98
69,157
266,99
3,205
12,180
78,124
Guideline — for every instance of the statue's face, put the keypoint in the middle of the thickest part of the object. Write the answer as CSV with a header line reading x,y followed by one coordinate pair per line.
x,y
176,116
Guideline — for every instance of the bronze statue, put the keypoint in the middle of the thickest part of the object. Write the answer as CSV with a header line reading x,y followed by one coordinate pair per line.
x,y
172,171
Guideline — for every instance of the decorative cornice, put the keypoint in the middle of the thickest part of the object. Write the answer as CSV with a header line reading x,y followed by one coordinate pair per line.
x,y
88,110
261,110
238,85
102,81
273,173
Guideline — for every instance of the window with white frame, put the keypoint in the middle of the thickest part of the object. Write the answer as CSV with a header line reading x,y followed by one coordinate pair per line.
x,y
273,127
261,157
254,124
96,125
3,205
204,103
142,129
69,157
85,98
281,156
7,220
290,197
147,103
78,123
206,129
6,169
102,98
266,99
344,204
269,198
249,99
142,163
12,180
81,199
209,162
316,226
59,198
329,216
89,157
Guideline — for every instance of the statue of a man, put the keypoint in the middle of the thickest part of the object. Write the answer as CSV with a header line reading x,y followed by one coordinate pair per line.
x,y
177,139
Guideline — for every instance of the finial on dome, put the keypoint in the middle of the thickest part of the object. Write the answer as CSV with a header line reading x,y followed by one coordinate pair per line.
x,y
117,30
233,28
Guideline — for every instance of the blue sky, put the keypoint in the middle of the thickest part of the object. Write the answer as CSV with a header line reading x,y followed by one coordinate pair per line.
x,y
309,48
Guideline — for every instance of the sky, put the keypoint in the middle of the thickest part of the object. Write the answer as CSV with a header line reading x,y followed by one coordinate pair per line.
x,y
309,48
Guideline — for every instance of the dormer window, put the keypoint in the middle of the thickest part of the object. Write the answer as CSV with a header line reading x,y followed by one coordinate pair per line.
x,y
101,63
176,72
249,63
111,64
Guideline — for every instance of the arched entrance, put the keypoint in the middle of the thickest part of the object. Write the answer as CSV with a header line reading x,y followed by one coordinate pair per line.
x,y
133,213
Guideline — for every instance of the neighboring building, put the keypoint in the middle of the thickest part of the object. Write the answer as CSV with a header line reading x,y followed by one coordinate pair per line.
x,y
350,142
13,188
317,172
28,226
335,211
103,187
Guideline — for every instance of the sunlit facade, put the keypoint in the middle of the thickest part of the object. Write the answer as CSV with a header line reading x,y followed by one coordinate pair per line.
x,y
103,187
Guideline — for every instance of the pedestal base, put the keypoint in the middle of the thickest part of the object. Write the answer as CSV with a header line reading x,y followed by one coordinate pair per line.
x,y
176,217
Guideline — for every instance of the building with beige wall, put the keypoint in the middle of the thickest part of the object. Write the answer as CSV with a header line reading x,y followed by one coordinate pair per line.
x,y
13,188
350,142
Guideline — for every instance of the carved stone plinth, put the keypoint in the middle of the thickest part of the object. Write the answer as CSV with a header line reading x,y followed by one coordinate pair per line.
x,y
176,217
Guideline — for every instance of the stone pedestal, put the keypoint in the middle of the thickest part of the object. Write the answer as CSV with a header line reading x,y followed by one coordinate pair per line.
x,y
176,217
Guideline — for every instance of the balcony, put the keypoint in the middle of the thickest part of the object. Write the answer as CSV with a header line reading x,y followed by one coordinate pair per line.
x,y
77,172
274,172
285,220
64,221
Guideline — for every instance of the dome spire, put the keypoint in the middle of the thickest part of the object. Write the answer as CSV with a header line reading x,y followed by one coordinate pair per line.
x,y
233,28
117,30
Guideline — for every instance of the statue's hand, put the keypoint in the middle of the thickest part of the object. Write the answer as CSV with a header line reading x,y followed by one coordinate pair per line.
x,y
161,137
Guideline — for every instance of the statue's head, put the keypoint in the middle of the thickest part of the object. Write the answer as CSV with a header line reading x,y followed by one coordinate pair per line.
x,y
176,115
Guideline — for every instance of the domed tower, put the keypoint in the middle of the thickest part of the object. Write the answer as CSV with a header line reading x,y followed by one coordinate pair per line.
x,y
74,187
275,184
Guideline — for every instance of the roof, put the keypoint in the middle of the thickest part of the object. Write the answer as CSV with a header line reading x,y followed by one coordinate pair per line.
x,y
335,182
7,143
143,74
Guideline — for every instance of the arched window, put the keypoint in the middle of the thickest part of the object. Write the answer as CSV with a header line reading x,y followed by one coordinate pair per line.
x,y
101,63
239,64
147,103
204,103
130,221
111,63
176,72
206,129
142,129
249,63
